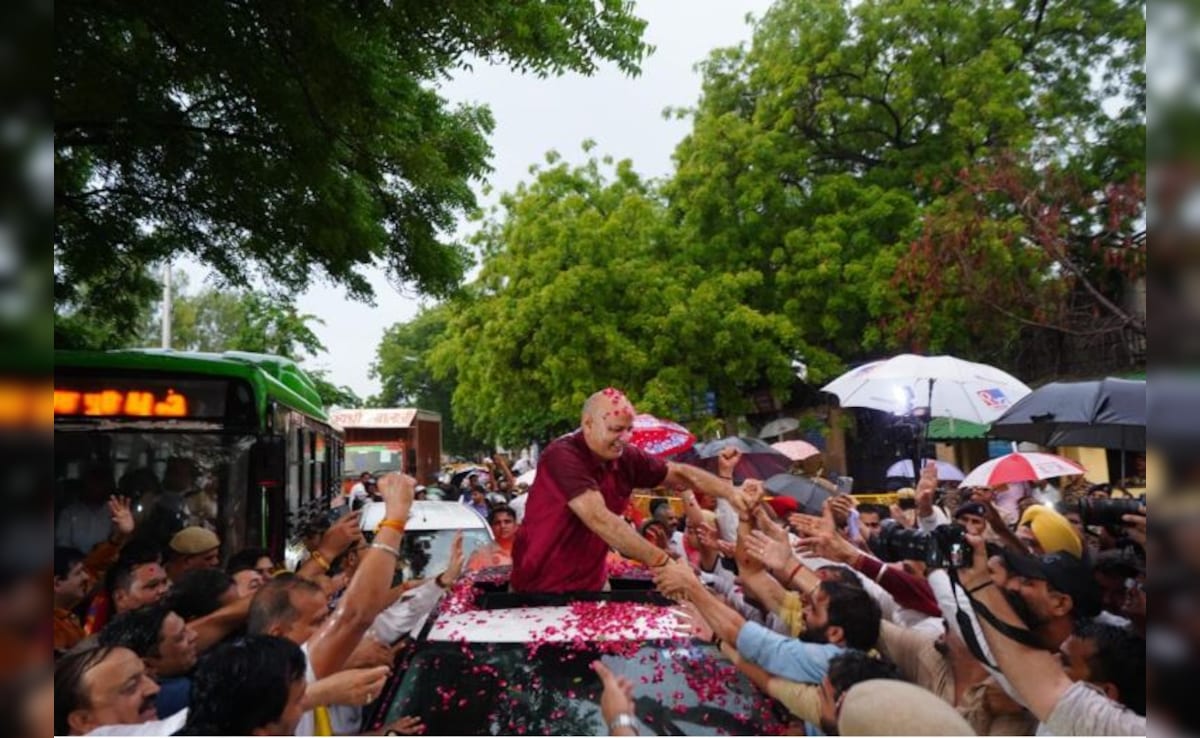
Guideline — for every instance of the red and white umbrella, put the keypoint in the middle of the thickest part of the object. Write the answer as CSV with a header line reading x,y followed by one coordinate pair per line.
x,y
796,450
660,437
1020,467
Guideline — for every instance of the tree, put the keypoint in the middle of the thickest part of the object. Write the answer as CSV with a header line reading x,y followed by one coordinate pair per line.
x,y
1063,261
816,150
333,395
219,320
402,366
285,141
585,285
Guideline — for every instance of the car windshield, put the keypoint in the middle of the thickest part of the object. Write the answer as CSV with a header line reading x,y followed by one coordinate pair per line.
x,y
426,552
680,688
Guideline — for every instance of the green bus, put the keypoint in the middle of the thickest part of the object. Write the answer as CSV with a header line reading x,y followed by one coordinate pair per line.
x,y
235,442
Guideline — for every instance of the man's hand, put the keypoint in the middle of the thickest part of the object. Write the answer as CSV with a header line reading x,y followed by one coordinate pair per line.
x,y
370,654
355,687
727,461
454,567
803,524
708,538
343,533
841,506
122,515
770,527
753,491
689,623
407,725
978,574
675,579
397,491
1135,527
617,698
774,554
926,487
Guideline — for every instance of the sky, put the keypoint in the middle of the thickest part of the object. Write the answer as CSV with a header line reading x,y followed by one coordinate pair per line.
x,y
623,115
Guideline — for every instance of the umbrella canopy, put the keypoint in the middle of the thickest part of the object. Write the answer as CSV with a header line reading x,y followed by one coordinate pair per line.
x,y
1020,467
946,471
1106,413
796,450
660,437
777,428
759,460
948,386
807,493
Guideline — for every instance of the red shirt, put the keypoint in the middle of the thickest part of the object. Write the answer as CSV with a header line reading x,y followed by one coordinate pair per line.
x,y
554,550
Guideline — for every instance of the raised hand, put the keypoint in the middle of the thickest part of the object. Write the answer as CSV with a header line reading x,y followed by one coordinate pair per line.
x,y
768,526
774,554
727,461
805,525
122,515
343,533
454,567
397,490
708,537
926,487
841,506
753,491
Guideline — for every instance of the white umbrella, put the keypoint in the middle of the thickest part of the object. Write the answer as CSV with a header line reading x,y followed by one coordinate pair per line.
x,y
946,472
1020,467
949,387
778,427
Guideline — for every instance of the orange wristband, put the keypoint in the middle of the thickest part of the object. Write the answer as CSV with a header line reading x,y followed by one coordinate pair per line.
x,y
321,560
396,525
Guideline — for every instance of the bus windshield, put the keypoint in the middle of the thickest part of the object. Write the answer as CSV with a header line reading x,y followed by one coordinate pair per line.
x,y
173,479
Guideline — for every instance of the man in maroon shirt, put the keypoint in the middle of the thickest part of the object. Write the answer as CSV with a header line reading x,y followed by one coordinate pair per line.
x,y
583,484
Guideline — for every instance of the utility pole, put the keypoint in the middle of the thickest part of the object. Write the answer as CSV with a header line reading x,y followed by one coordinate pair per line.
x,y
166,306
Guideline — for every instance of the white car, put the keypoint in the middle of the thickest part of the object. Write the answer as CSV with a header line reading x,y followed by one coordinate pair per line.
x,y
431,528
491,662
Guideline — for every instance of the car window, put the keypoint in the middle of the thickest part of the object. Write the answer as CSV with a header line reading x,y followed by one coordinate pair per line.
x,y
426,552
518,689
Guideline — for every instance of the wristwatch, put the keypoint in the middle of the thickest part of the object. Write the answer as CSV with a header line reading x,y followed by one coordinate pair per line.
x,y
624,720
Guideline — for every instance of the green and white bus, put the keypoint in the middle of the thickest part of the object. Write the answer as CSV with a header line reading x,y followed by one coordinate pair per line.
x,y
235,442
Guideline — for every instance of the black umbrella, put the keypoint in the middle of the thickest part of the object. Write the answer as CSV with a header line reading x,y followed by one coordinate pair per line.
x,y
759,460
1105,413
807,493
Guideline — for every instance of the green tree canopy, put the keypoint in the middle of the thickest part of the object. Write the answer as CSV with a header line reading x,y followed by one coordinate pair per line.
x,y
585,285
218,320
816,150
285,141
403,368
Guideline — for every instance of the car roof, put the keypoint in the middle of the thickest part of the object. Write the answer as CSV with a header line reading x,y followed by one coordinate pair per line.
x,y
428,515
579,621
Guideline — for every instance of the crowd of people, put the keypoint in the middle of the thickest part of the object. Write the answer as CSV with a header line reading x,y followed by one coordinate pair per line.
x,y
966,617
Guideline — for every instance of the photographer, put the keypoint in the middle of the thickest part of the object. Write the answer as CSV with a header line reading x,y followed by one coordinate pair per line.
x,y
1064,707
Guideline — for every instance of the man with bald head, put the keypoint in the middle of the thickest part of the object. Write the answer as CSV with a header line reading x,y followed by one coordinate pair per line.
x,y
583,484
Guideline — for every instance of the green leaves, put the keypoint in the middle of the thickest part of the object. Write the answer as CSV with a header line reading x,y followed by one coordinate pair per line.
x,y
287,141
586,285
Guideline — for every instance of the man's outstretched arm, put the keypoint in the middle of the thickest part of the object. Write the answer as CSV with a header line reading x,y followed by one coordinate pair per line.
x,y
590,508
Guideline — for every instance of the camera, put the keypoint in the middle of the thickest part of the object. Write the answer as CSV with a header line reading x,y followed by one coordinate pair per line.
x,y
946,547
1106,512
